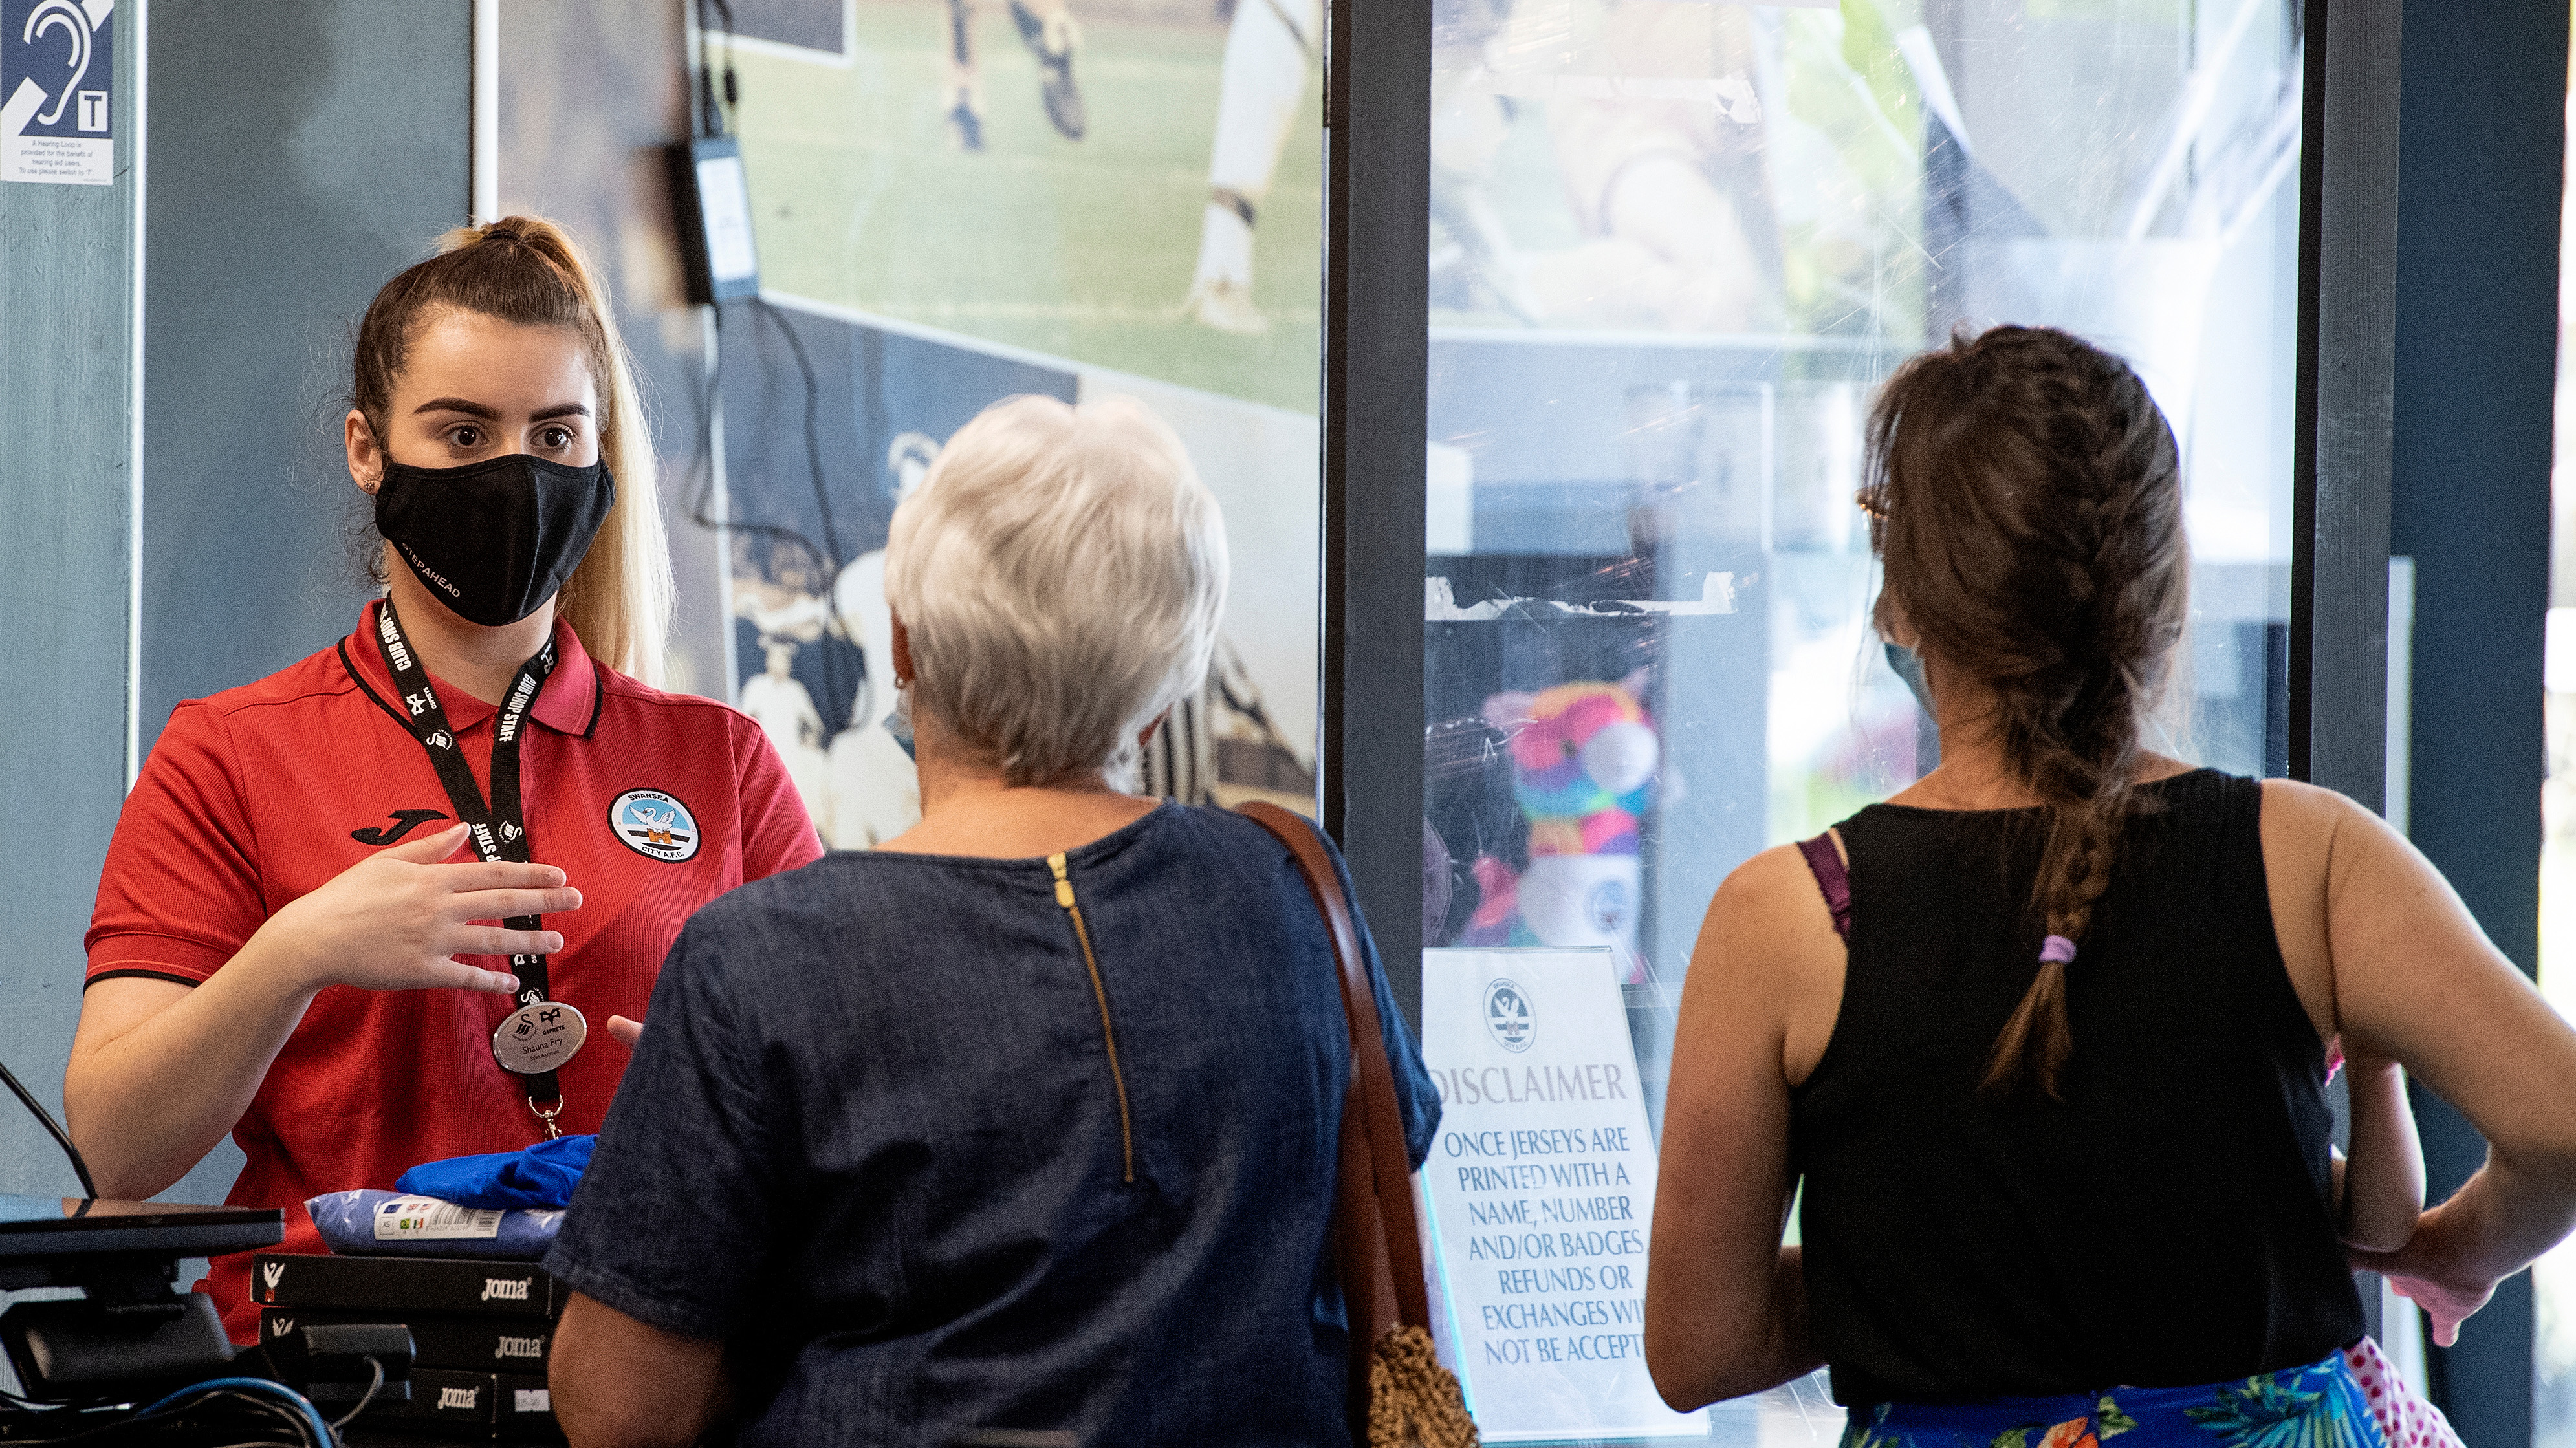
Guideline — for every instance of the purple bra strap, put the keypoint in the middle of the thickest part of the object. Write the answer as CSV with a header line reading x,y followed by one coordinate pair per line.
x,y
1831,877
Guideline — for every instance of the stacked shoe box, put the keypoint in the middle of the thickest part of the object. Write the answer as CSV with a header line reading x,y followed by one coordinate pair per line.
x,y
480,1331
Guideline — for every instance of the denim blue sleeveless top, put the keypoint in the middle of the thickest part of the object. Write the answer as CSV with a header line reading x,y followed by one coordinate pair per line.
x,y
874,1139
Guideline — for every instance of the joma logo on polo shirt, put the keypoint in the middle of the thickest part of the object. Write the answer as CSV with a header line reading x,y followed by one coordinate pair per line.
x,y
459,1398
505,1289
404,822
520,1347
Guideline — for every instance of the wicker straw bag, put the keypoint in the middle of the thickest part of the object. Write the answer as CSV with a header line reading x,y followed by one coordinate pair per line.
x,y
1400,1395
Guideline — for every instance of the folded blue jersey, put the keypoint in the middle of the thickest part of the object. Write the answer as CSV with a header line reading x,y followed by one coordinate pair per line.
x,y
403,1225
541,1176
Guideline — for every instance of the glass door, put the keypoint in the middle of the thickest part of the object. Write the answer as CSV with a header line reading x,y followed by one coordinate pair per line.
x,y
1674,247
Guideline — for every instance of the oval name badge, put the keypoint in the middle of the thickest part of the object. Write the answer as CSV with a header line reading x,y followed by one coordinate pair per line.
x,y
538,1038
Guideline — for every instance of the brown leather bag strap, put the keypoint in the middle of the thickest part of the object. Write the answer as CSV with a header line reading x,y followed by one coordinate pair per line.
x,y
1383,1125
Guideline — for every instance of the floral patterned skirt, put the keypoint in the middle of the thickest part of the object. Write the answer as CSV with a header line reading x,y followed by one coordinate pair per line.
x,y
2317,1406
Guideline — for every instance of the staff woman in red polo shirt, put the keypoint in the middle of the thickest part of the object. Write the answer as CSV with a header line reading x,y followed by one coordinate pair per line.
x,y
363,913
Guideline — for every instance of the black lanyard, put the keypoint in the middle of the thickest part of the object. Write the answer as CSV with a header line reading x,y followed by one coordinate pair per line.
x,y
500,830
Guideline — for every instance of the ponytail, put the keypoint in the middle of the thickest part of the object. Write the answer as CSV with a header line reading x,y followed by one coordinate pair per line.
x,y
526,270
2025,495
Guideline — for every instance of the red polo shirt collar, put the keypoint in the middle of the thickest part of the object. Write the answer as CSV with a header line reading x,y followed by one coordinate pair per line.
x,y
568,704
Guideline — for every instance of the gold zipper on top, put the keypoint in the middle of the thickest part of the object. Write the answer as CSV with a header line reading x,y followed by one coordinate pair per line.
x,y
1100,993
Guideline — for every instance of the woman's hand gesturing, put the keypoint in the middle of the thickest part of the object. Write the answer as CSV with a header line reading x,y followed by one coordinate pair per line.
x,y
398,919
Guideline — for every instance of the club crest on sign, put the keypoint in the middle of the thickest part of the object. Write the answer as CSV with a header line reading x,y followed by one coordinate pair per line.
x,y
1507,1015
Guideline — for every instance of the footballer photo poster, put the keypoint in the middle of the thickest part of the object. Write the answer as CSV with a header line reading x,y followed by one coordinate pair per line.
x,y
958,201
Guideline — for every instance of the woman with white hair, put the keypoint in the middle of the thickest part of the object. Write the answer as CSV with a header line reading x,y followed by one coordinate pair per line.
x,y
1020,1128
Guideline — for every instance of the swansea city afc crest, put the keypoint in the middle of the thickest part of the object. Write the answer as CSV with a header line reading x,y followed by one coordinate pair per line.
x,y
1507,1015
654,824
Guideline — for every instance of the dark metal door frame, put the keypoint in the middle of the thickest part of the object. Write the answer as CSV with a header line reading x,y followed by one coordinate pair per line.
x,y
2346,387
1377,229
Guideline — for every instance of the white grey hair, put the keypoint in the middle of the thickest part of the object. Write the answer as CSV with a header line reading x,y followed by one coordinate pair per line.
x,y
1059,573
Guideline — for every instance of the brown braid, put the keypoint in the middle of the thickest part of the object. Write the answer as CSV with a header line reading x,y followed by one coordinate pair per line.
x,y
2025,495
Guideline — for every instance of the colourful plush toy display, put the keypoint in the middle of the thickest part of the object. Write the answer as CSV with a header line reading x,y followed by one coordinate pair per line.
x,y
1583,771
1583,767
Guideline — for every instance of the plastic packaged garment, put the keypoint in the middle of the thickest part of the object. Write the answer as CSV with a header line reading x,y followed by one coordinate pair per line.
x,y
541,1176
400,1224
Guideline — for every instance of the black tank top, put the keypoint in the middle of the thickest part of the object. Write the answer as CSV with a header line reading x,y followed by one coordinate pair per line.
x,y
2169,1223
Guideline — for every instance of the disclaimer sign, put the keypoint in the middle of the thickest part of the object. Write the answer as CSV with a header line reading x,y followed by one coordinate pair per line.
x,y
1542,1183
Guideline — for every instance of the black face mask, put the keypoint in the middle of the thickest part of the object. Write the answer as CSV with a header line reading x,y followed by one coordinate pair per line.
x,y
493,540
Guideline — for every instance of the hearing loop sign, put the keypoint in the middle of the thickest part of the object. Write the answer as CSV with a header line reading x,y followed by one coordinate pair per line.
x,y
58,92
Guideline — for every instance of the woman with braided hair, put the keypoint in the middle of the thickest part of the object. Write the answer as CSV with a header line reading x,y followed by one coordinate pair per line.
x,y
2044,1039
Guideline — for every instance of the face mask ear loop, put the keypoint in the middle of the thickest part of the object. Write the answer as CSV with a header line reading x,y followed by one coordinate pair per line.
x,y
384,459
1907,665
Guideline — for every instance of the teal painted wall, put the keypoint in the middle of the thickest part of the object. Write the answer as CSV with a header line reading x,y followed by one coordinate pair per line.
x,y
66,531
304,151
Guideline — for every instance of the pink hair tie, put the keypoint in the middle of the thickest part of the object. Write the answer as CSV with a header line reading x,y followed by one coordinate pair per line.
x,y
2057,948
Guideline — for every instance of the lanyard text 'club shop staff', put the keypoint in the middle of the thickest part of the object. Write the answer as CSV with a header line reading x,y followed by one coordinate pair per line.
x,y
542,1034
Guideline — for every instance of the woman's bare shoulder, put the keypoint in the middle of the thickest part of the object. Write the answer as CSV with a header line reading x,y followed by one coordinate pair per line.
x,y
1767,912
2304,824
2300,804
1769,889
1768,958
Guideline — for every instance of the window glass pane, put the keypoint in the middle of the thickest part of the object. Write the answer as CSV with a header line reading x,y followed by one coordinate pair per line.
x,y
1674,247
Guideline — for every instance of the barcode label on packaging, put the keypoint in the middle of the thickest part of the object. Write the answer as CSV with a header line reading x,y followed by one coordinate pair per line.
x,y
420,1219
